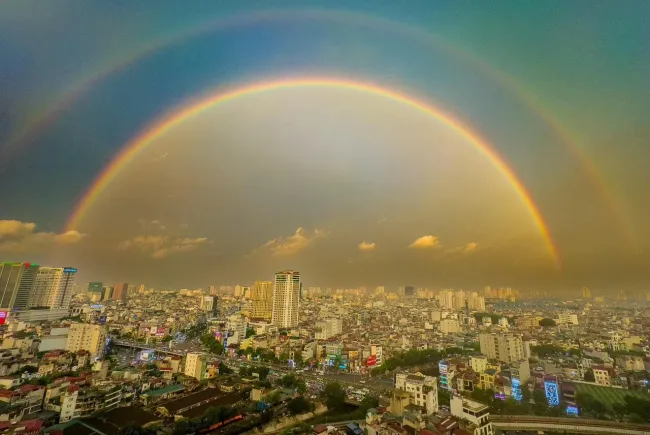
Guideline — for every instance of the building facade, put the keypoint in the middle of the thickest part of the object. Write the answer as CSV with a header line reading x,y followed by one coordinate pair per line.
x,y
286,299
262,299
16,284
87,336
503,347
53,287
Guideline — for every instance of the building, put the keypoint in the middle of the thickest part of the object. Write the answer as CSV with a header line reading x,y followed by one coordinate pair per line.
x,y
478,363
449,326
262,299
328,328
210,304
476,413
196,365
107,293
16,284
567,319
503,347
422,390
53,287
236,327
601,376
586,293
87,336
120,292
286,299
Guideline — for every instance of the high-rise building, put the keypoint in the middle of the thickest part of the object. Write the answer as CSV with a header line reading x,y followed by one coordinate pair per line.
x,y
286,299
586,293
209,304
53,287
409,291
262,299
107,293
142,289
87,336
16,284
120,291
503,347
94,287
196,365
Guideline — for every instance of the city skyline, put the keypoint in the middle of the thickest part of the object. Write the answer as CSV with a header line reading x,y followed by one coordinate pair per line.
x,y
360,147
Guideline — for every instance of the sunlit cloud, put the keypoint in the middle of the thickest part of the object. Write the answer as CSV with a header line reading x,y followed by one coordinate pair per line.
x,y
425,242
367,246
162,246
154,224
22,236
468,248
284,246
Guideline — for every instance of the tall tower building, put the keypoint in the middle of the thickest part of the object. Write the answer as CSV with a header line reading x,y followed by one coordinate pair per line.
x,y
16,284
53,287
120,291
262,299
586,293
286,299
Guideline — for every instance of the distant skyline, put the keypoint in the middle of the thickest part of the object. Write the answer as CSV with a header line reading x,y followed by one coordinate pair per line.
x,y
529,171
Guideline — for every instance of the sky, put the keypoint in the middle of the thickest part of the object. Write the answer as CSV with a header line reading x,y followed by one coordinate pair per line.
x,y
351,187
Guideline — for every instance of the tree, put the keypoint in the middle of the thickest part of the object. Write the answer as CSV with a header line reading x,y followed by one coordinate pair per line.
x,y
546,322
334,396
224,369
589,376
299,405
444,398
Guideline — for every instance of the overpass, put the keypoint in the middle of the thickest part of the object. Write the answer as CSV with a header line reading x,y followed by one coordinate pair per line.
x,y
144,346
565,425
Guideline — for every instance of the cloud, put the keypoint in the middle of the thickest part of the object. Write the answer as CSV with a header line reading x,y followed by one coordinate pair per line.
x,y
154,224
283,246
468,248
162,246
367,246
160,158
21,236
425,242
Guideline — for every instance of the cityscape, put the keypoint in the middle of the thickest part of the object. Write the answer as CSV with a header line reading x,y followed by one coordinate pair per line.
x,y
341,217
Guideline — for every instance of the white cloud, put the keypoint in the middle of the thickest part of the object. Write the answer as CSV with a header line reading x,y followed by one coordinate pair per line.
x,y
425,242
162,246
283,246
465,249
21,236
367,246
154,224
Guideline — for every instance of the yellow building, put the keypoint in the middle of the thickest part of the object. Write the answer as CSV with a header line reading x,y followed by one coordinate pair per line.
x,y
87,336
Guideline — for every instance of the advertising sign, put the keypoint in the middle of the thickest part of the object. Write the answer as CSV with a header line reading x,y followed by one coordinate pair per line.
x,y
101,320
3,317
161,332
372,360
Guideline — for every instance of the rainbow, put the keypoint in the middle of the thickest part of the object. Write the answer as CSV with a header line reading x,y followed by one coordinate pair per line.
x,y
158,129
40,121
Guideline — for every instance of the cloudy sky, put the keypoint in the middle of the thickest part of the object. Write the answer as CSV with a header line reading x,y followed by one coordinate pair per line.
x,y
349,187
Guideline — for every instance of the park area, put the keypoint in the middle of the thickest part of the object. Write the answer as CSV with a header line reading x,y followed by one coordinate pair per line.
x,y
608,395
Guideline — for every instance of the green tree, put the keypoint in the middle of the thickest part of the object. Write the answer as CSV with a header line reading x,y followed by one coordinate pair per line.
x,y
299,405
334,396
546,322
444,398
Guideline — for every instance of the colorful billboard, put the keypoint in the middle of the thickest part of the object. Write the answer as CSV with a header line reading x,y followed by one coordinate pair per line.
x,y
3,317
372,360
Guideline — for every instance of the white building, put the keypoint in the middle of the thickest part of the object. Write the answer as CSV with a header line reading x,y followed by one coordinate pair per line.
x,y
476,302
567,319
86,336
328,328
474,412
423,390
503,347
53,287
449,326
236,326
286,299
196,365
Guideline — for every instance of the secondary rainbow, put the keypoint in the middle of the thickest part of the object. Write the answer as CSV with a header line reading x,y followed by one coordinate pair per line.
x,y
158,129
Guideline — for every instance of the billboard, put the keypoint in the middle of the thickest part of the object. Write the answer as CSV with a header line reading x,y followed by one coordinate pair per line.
x,y
101,320
69,270
3,317
372,360
161,332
